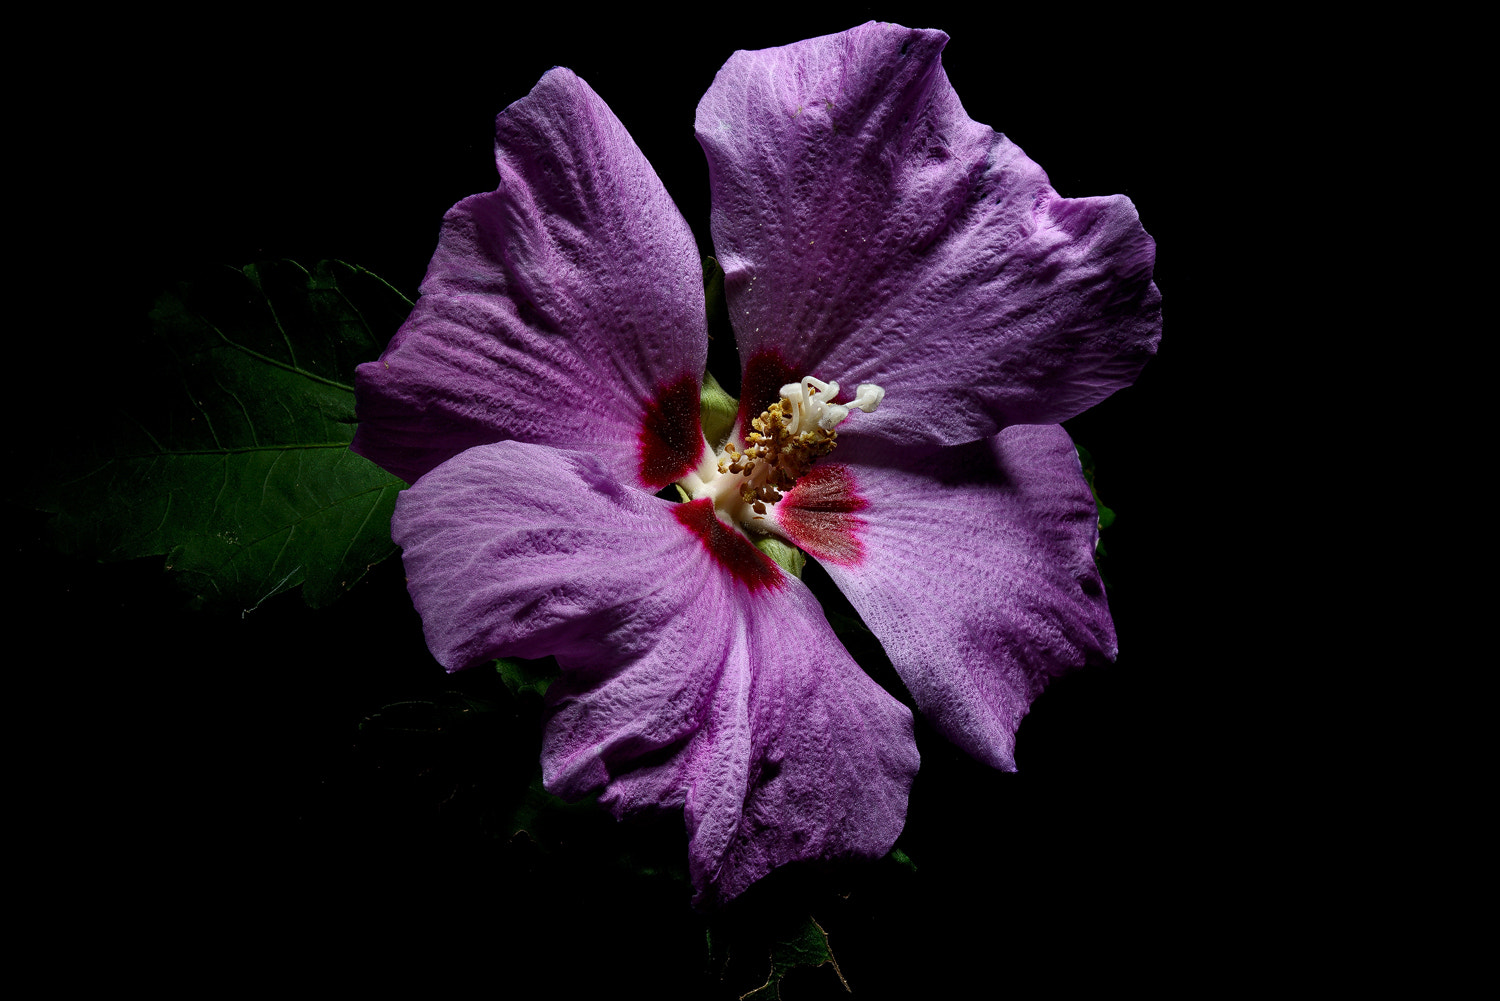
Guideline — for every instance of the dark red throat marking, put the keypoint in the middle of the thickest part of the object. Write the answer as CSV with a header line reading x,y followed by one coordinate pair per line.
x,y
820,514
671,438
734,552
765,374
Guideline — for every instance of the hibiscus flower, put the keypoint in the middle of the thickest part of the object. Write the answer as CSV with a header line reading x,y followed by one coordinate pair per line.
x,y
546,388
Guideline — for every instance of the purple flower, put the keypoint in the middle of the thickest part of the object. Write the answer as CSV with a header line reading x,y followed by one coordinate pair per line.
x,y
546,386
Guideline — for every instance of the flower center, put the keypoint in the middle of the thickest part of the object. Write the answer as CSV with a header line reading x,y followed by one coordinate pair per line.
x,y
781,446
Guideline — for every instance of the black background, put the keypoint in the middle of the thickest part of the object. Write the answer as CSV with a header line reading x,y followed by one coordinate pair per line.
x,y
207,789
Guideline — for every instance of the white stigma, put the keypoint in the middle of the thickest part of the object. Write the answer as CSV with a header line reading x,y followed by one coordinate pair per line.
x,y
812,404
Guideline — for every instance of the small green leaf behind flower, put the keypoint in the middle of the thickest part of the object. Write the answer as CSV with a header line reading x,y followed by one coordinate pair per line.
x,y
771,942
227,448
1106,516
804,944
532,676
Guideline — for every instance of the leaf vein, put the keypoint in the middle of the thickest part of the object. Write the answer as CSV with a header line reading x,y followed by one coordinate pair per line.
x,y
374,504
240,450
223,486
165,514
265,483
208,421
275,362
347,498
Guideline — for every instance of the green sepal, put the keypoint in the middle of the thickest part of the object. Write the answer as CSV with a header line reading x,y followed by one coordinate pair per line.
x,y
228,453
717,409
787,556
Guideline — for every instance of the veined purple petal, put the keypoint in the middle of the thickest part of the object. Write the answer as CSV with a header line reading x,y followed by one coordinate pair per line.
x,y
687,683
564,308
871,231
974,567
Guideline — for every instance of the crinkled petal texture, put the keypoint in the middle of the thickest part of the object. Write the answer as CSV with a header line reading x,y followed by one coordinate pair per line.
x,y
694,676
563,308
871,232
973,565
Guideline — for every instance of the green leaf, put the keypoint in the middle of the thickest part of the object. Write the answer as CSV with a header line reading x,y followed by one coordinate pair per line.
x,y
554,825
804,944
229,452
527,675
428,717
539,810
1106,516
845,624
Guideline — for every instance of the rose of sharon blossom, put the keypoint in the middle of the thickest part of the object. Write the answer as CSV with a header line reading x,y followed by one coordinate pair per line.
x,y
915,310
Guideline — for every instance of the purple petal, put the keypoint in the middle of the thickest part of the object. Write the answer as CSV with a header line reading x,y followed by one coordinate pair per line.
x,y
973,566
694,676
871,232
563,308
